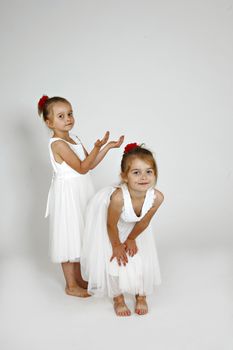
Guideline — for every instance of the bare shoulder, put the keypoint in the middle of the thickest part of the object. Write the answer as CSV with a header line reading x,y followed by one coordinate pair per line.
x,y
59,146
159,197
117,198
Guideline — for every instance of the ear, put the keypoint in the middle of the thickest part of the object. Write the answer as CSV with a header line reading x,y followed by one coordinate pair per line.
x,y
124,177
49,123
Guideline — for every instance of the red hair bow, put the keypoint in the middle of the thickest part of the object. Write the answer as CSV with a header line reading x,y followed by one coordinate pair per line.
x,y
130,147
42,101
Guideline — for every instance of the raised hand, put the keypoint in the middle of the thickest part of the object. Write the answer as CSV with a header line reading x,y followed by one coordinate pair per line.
x,y
116,144
99,143
131,247
119,253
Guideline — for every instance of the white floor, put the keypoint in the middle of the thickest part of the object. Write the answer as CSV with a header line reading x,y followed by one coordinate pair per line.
x,y
192,309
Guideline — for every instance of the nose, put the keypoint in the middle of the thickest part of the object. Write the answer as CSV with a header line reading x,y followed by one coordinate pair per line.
x,y
143,176
68,118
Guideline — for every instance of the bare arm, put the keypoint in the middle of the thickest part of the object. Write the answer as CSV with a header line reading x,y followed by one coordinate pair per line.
x,y
114,212
141,225
65,153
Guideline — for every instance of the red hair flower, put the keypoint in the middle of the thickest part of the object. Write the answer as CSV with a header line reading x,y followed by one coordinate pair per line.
x,y
130,147
42,101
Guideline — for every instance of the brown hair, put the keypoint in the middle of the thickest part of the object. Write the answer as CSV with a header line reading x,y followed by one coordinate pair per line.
x,y
46,107
141,153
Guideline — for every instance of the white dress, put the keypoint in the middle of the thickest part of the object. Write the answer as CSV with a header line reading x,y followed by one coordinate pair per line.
x,y
67,199
141,274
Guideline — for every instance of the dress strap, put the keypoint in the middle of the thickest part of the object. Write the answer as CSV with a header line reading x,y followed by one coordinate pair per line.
x,y
149,200
53,139
128,205
75,138
126,195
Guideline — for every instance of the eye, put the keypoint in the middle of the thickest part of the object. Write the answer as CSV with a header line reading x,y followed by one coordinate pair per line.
x,y
70,114
135,172
61,116
149,172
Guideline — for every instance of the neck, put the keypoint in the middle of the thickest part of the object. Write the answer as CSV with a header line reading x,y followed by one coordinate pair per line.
x,y
136,194
62,135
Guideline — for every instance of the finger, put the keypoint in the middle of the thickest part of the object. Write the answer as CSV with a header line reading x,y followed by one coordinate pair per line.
x,y
106,137
125,257
121,139
123,260
98,143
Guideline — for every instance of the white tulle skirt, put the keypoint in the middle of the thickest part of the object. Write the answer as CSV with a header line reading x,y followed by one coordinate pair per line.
x,y
66,207
140,275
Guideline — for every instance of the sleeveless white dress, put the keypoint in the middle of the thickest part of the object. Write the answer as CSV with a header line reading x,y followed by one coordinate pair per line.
x,y
67,200
141,274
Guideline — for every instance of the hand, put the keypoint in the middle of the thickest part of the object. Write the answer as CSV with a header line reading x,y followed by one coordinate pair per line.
x,y
100,143
131,247
116,144
119,253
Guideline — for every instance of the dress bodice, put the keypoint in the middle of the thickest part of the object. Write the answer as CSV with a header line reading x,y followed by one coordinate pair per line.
x,y
63,169
128,214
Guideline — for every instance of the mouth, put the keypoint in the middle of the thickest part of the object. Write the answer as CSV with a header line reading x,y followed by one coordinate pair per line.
x,y
143,183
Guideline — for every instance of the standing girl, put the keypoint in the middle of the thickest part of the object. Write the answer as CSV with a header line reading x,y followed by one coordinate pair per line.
x,y
71,188
119,254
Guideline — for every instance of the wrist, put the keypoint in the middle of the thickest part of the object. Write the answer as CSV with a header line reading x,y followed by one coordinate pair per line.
x,y
108,146
116,244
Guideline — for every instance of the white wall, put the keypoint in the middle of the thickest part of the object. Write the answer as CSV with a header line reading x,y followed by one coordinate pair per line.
x,y
159,72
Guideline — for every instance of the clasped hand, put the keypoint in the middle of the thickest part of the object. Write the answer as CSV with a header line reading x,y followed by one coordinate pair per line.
x,y
120,252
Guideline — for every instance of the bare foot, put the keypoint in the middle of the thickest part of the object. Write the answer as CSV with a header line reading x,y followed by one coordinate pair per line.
x,y
83,284
120,306
77,292
141,307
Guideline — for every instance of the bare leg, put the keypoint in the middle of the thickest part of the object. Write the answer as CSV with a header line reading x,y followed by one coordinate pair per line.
x,y
72,288
80,281
120,306
141,307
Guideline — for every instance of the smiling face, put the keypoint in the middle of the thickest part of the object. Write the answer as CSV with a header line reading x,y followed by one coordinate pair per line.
x,y
61,117
140,176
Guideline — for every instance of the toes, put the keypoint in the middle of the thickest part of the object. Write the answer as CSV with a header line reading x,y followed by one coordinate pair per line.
x,y
141,310
122,311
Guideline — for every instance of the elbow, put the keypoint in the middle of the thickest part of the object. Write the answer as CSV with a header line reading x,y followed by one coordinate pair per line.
x,y
110,227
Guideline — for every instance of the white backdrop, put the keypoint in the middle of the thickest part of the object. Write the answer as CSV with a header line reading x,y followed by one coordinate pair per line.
x,y
159,72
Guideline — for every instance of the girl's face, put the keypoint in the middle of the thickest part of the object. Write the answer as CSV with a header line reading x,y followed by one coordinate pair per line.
x,y
62,119
140,176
